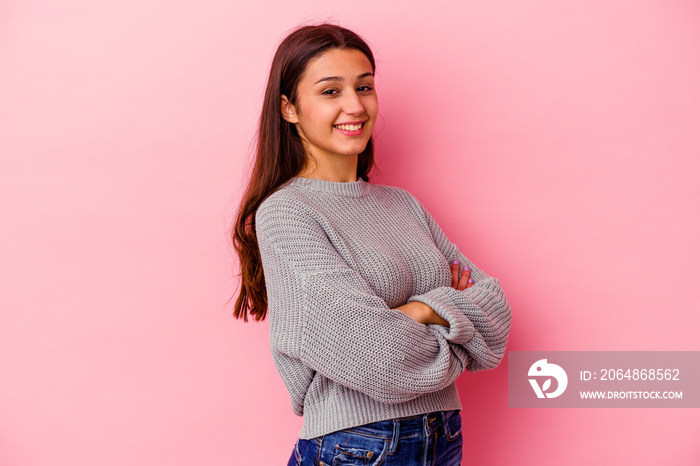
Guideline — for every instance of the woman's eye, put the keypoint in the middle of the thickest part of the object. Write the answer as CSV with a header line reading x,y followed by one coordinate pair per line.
x,y
330,92
364,88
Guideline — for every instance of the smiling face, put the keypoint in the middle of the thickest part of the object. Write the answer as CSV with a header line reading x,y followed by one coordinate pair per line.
x,y
336,105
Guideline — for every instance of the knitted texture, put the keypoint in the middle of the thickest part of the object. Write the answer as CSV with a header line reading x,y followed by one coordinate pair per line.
x,y
337,258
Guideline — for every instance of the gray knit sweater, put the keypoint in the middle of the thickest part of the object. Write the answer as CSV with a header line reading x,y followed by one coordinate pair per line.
x,y
338,257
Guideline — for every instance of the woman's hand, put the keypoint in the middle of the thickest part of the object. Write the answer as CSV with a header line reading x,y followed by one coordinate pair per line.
x,y
422,313
460,283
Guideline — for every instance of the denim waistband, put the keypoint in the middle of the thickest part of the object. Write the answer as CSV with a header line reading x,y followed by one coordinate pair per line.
x,y
396,429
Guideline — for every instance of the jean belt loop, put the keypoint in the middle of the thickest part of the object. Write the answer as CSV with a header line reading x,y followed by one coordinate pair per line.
x,y
394,437
444,423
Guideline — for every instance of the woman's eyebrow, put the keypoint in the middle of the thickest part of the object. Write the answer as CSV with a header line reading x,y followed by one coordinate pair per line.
x,y
340,78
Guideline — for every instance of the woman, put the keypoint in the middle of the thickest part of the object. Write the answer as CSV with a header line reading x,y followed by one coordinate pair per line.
x,y
373,312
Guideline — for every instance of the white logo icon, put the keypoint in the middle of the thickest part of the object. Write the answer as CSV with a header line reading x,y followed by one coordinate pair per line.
x,y
543,369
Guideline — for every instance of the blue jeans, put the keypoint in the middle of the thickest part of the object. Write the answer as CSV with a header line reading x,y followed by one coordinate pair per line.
x,y
433,439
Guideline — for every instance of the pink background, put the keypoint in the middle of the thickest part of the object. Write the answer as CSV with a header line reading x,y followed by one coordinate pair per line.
x,y
556,142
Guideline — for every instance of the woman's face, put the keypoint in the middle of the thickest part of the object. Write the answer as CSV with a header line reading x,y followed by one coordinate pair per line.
x,y
336,104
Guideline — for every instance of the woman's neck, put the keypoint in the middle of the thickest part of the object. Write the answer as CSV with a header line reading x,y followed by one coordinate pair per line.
x,y
342,169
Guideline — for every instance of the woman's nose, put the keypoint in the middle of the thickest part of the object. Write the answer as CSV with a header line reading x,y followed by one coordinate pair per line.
x,y
352,105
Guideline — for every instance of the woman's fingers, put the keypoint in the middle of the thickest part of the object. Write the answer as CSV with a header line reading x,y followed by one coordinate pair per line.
x,y
465,281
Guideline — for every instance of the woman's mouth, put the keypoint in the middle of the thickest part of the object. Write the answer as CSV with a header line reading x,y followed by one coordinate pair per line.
x,y
351,129
350,126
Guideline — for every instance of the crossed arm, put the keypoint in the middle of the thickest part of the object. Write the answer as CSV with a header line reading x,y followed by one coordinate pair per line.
x,y
424,314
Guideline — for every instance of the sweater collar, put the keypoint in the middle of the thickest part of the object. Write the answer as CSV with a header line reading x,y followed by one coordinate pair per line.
x,y
357,188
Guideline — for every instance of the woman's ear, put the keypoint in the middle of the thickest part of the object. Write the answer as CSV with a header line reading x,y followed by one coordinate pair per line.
x,y
288,111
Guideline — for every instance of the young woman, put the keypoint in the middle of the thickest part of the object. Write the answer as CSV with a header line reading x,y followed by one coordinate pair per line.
x,y
373,312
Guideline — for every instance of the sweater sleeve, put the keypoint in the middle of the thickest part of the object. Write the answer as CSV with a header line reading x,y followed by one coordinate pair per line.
x,y
324,314
484,304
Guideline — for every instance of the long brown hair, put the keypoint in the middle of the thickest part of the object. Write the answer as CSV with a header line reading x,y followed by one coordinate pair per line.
x,y
280,153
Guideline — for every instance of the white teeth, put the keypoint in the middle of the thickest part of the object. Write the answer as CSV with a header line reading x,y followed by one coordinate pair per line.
x,y
349,127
